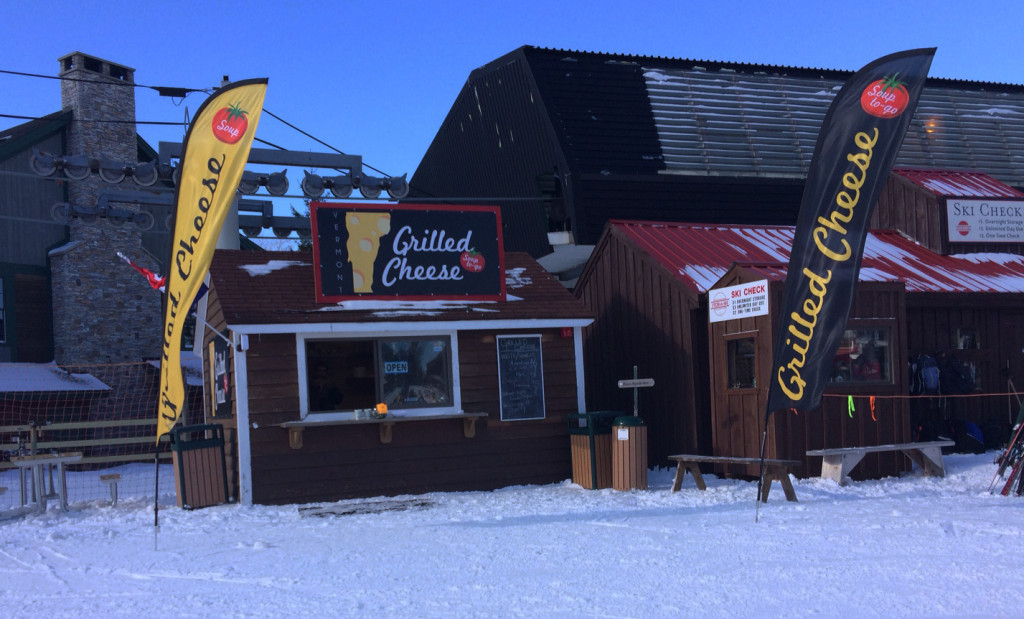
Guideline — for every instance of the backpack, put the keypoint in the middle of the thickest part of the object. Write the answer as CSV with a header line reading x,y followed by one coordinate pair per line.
x,y
955,377
926,379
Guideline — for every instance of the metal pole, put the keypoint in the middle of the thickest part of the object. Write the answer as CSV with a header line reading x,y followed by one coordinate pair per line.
x,y
636,397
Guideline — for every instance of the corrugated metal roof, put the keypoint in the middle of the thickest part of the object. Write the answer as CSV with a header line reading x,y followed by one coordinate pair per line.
x,y
953,184
700,254
738,119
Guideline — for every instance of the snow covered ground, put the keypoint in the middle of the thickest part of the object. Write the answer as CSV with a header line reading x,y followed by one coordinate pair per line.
x,y
908,547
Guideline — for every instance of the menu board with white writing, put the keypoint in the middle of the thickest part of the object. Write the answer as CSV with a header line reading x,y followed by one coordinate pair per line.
x,y
520,377
407,251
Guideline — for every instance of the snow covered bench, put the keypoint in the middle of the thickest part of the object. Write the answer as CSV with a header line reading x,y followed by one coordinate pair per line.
x,y
775,470
837,463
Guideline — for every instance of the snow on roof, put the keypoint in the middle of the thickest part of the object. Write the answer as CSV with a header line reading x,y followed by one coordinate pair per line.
x,y
271,266
45,377
701,254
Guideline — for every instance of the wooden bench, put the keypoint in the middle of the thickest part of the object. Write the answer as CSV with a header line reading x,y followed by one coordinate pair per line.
x,y
837,463
111,481
775,470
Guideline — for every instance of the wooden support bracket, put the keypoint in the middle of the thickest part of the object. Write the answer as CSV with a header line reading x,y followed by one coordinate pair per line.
x,y
385,431
295,437
469,427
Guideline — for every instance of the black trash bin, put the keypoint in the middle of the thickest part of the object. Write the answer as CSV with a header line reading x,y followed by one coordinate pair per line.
x,y
629,453
590,437
200,471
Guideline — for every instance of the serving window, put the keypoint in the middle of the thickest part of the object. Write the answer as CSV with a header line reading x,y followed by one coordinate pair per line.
x,y
863,356
412,374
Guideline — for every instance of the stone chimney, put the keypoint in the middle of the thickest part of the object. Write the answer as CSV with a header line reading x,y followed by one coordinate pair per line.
x,y
103,311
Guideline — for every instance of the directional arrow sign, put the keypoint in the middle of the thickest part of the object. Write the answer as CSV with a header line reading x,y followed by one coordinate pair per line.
x,y
636,382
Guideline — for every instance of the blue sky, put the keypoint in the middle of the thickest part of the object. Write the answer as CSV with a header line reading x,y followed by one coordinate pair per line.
x,y
376,78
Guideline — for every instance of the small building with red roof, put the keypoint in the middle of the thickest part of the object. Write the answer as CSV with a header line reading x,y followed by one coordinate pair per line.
x,y
649,285
479,392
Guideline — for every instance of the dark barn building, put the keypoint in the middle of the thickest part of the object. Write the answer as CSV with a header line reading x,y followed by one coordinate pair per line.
x,y
648,284
566,140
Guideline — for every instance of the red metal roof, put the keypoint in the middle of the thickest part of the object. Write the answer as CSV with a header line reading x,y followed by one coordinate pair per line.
x,y
960,184
700,254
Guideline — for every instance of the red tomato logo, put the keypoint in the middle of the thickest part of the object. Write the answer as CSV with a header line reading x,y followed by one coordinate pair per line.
x,y
885,98
230,123
472,261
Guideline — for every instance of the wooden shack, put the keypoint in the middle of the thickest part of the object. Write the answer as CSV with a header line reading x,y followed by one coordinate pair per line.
x,y
741,349
648,285
479,392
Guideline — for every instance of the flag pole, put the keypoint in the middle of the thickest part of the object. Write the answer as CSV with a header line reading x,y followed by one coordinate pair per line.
x,y
156,494
760,475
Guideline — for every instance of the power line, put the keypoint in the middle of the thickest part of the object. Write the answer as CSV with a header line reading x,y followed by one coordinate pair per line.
x,y
170,92
163,90
135,122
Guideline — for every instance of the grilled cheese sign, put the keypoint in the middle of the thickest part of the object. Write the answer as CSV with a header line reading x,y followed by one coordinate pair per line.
x,y
859,140
830,240
407,252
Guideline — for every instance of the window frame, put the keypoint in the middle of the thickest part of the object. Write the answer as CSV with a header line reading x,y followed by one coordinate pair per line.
x,y
376,336
855,343
732,341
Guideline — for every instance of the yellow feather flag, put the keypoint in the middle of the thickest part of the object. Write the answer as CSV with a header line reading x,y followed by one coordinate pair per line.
x,y
213,157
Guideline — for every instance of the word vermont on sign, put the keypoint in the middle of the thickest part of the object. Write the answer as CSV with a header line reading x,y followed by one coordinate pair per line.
x,y
407,251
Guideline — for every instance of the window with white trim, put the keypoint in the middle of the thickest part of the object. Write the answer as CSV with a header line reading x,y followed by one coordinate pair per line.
x,y
409,373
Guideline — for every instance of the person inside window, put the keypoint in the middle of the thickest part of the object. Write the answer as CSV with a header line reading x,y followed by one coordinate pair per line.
x,y
324,395
868,367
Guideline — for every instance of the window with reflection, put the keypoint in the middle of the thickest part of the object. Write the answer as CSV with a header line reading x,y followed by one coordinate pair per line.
x,y
741,358
404,373
864,356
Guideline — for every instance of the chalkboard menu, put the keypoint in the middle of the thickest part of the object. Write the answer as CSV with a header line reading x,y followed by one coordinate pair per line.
x,y
520,377
407,251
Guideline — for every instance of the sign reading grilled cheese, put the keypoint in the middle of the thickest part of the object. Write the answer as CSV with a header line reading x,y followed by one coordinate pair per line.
x,y
407,251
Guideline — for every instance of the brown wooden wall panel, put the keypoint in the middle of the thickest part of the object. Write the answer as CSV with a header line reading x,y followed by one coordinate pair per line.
x,y
998,360
645,317
348,461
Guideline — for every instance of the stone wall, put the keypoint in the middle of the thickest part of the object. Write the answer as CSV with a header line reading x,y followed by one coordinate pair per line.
x,y
103,311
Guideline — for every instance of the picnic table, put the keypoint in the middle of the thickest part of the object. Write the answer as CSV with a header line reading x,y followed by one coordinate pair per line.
x,y
39,465
775,470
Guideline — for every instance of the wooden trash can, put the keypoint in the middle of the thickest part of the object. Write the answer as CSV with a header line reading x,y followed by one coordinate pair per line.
x,y
629,453
590,439
200,471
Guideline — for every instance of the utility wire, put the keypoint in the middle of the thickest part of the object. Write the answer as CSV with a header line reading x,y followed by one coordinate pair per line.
x,y
172,92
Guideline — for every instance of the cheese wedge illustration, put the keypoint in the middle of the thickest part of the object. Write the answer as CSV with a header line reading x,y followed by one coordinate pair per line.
x,y
364,233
